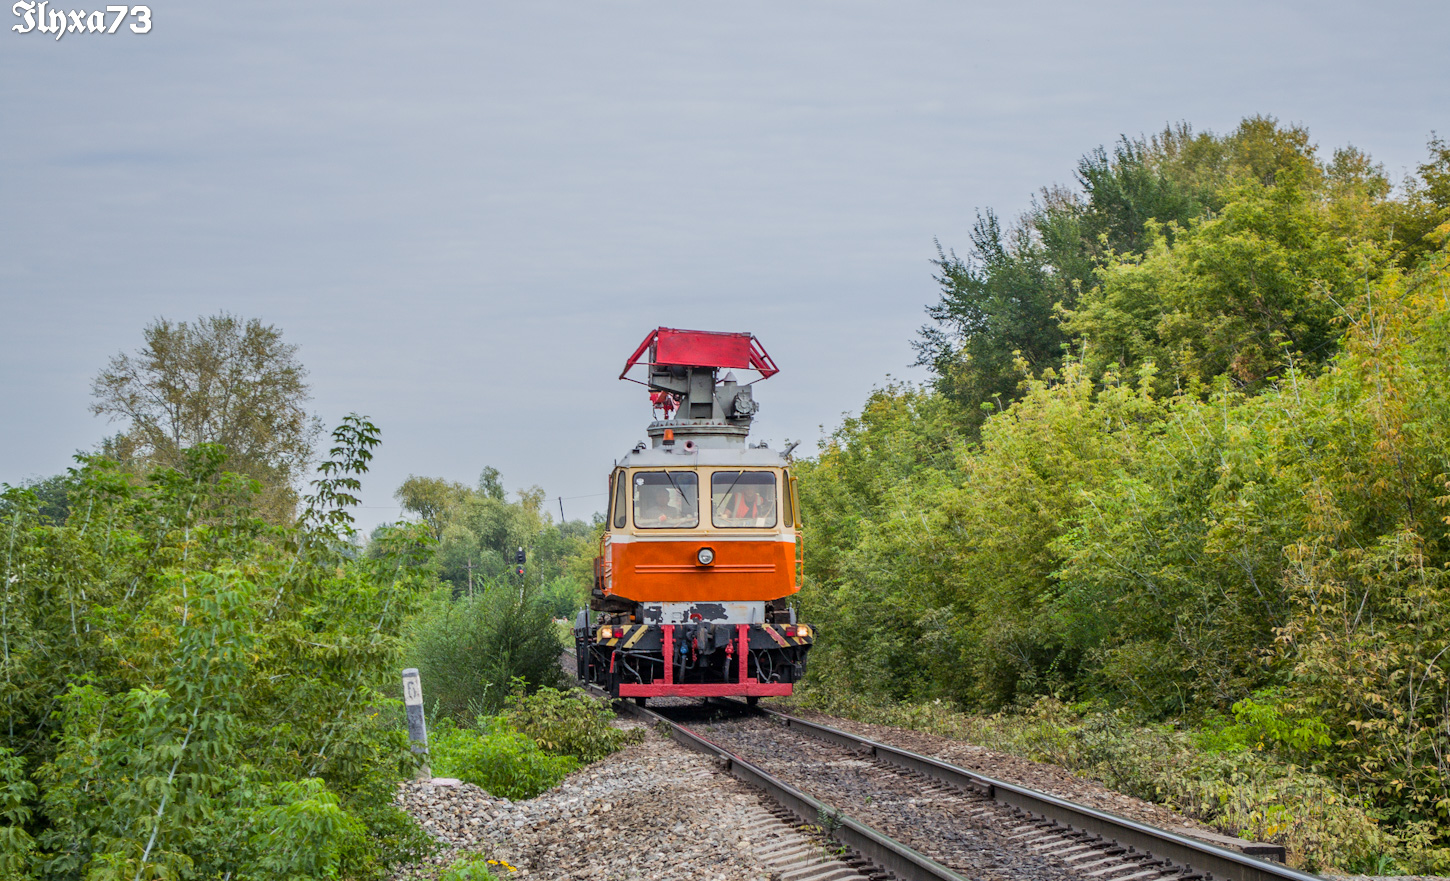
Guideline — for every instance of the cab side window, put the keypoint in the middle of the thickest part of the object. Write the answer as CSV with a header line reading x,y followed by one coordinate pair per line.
x,y
786,501
619,509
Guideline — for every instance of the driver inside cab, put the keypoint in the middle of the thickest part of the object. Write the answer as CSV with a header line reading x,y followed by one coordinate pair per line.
x,y
655,508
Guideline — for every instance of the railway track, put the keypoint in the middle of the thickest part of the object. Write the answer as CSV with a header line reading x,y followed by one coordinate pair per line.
x,y
867,795
913,817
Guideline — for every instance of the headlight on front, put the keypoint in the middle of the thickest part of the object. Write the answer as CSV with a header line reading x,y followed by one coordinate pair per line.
x,y
706,556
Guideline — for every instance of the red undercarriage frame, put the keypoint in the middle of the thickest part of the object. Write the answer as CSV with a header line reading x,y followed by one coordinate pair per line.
x,y
746,685
719,689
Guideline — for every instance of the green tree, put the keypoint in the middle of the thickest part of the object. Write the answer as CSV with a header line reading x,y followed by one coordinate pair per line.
x,y
190,685
1274,234
1245,294
490,483
433,500
218,380
867,590
1366,571
1227,492
1413,220
1141,183
1001,306
478,531
51,496
997,310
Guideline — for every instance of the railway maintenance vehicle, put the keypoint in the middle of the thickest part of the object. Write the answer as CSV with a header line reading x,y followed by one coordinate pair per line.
x,y
702,548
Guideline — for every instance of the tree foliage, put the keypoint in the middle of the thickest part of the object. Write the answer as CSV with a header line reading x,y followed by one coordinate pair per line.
x,y
218,380
478,533
191,691
1206,255
469,651
1184,454
1246,294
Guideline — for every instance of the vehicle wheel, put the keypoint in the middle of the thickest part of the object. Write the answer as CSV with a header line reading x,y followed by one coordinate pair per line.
x,y
639,701
752,699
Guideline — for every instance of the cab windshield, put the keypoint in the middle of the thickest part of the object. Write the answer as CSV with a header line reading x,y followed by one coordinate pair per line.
x,y
742,499
666,500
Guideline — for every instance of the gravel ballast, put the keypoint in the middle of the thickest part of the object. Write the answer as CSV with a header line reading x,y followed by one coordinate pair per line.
x,y
950,827
653,811
1051,779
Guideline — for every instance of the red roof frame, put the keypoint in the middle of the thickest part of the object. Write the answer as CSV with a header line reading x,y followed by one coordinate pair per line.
x,y
702,348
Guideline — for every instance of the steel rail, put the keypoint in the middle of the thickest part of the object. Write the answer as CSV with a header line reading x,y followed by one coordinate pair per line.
x,y
881,850
1199,856
1211,861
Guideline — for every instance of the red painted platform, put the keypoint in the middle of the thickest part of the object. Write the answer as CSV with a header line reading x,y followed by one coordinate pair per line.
x,y
714,689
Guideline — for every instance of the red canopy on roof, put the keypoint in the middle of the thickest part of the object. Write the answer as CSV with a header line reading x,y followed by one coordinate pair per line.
x,y
703,348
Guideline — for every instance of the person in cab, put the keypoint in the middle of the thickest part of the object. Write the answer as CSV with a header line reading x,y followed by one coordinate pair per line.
x,y
657,508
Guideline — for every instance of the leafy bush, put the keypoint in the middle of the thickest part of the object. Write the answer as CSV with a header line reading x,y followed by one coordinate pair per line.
x,y
495,757
535,743
1232,477
565,597
303,833
16,794
468,651
474,868
569,723
190,691
1243,791
1264,721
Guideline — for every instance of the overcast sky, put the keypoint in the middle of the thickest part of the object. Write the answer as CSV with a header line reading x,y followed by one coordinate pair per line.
x,y
468,214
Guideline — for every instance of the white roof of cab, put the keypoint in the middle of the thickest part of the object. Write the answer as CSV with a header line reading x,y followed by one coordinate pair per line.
x,y
739,457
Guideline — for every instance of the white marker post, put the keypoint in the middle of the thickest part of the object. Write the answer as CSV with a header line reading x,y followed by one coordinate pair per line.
x,y
417,725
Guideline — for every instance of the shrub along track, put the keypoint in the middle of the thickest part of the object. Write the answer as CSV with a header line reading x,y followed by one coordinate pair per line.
x,y
951,823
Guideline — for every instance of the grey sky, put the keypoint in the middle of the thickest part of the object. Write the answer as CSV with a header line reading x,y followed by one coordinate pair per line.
x,y
468,214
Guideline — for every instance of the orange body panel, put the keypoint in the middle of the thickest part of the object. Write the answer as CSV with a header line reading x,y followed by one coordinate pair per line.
x,y
666,571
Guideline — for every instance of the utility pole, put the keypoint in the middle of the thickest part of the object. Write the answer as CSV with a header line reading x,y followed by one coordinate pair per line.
x,y
561,510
